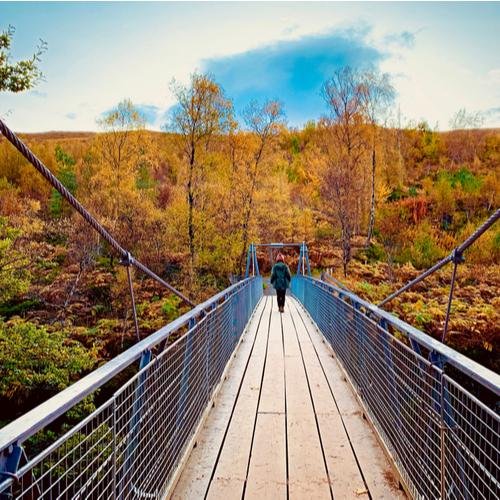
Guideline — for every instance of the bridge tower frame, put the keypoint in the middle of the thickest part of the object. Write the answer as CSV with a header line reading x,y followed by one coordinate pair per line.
x,y
252,264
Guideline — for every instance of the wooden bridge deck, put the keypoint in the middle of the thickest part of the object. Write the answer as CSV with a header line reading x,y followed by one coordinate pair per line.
x,y
285,423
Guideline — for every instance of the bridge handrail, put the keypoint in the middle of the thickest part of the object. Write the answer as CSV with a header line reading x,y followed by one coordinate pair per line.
x,y
39,417
474,370
439,427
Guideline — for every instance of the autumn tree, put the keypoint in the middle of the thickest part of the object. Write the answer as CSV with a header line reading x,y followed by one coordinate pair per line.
x,y
464,142
391,233
21,75
120,147
20,226
344,149
202,112
464,119
119,151
264,122
14,274
377,94
111,178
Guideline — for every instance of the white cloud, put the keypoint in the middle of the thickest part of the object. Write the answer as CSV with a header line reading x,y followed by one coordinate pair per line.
x,y
428,48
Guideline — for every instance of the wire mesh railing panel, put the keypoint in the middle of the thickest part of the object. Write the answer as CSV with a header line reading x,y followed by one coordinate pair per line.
x,y
444,441
131,446
472,445
162,407
401,395
76,466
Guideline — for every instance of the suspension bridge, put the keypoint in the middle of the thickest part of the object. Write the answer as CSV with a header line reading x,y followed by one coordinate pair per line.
x,y
335,398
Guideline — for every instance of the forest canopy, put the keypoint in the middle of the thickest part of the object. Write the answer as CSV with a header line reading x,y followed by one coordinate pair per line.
x,y
375,201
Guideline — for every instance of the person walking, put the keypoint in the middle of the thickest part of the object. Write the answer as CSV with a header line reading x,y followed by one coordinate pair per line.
x,y
280,279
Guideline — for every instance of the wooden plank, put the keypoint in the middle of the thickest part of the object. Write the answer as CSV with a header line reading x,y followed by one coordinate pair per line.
x,y
230,473
195,477
377,471
307,476
267,471
267,466
289,334
345,477
272,398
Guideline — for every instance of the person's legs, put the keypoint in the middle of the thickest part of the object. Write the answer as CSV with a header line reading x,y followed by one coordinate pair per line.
x,y
281,299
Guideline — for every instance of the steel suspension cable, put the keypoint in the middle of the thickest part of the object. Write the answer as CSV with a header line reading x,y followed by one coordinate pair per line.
x,y
455,256
126,257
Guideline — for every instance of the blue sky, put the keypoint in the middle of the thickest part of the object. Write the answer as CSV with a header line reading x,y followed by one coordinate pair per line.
x,y
441,56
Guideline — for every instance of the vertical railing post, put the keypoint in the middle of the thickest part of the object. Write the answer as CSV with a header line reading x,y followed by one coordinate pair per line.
x,y
114,448
391,375
442,437
135,422
344,328
231,301
315,292
9,464
212,330
183,390
360,334
448,422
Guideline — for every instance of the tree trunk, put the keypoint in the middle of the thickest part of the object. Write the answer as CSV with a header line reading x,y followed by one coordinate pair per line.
x,y
246,223
371,224
190,214
346,243
246,219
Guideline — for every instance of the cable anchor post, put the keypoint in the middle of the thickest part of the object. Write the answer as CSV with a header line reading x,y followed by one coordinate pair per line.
x,y
457,257
127,260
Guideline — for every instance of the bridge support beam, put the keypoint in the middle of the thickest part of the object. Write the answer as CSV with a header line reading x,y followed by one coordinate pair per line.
x,y
303,265
299,264
252,267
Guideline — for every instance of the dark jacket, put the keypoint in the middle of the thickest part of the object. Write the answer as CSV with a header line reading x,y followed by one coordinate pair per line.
x,y
280,276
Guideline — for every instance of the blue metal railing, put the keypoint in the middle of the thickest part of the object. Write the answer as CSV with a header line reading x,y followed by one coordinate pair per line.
x,y
443,439
130,446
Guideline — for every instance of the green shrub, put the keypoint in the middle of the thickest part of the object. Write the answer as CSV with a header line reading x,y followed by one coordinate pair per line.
x,y
467,180
295,145
15,277
170,307
422,247
396,194
13,308
486,250
35,364
425,252
105,262
66,174
412,191
324,231
375,253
